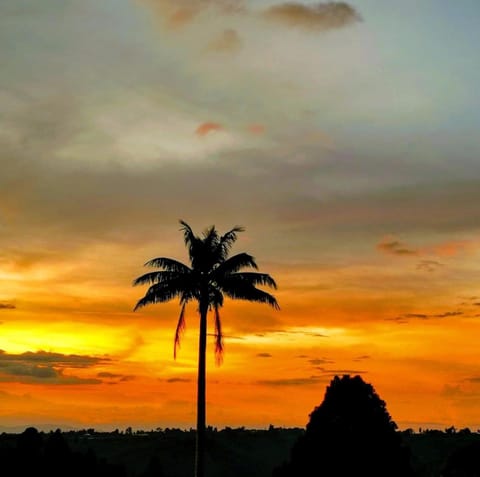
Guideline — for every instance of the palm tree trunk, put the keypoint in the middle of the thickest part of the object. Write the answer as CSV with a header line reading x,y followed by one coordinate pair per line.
x,y
201,394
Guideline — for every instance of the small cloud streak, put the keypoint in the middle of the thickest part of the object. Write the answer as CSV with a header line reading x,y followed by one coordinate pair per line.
x,y
178,380
319,361
263,355
7,306
454,247
429,266
323,16
291,381
122,378
177,16
256,129
424,316
391,246
207,128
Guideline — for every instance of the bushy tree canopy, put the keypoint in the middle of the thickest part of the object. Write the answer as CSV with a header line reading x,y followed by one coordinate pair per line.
x,y
349,434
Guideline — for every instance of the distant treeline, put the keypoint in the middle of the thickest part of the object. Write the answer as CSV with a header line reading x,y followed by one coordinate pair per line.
x,y
236,452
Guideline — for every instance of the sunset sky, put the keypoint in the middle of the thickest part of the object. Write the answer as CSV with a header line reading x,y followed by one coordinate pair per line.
x,y
344,137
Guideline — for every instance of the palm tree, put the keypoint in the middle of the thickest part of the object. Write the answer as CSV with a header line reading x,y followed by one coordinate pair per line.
x,y
211,276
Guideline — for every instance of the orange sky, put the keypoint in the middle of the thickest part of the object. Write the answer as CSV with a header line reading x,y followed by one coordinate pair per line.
x,y
345,140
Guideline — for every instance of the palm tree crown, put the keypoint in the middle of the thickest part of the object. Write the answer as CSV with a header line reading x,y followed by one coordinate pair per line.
x,y
211,276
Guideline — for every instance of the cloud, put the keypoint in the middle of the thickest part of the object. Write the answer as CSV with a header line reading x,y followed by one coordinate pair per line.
x,y
429,265
57,359
228,41
256,128
290,381
44,367
424,316
319,361
7,306
208,127
178,380
454,247
311,380
116,377
263,355
176,14
323,16
394,247
363,357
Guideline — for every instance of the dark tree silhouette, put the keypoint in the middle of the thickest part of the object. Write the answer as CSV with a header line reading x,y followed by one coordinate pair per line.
x,y
212,274
463,462
349,434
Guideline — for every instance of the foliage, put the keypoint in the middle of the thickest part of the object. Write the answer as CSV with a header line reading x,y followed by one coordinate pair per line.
x,y
350,433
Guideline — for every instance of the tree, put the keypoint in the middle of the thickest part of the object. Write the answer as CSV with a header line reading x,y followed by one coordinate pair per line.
x,y
349,434
211,276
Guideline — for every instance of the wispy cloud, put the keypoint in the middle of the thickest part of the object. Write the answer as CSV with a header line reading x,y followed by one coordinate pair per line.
x,y
429,265
320,361
425,316
45,367
115,377
208,127
7,306
391,246
291,381
178,380
263,355
323,16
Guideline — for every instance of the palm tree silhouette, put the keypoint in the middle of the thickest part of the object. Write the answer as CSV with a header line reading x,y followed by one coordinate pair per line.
x,y
212,274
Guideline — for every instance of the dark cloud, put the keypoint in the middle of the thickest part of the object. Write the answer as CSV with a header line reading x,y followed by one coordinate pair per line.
x,y
291,381
314,379
395,247
7,306
263,355
323,16
429,265
362,358
44,367
319,361
57,359
342,372
424,316
178,380
116,377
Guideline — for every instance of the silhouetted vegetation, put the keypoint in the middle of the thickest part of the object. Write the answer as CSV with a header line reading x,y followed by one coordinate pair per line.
x,y
350,433
212,275
231,452
464,461
33,453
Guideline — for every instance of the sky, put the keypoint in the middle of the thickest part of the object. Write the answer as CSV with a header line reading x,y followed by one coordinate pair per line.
x,y
342,136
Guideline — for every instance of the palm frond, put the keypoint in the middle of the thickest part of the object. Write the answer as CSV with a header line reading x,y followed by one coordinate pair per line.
x,y
166,291
156,277
192,242
168,264
179,331
218,337
250,278
227,240
250,293
234,264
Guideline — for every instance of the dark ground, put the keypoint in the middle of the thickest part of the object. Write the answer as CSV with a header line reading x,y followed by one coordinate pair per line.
x,y
232,452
